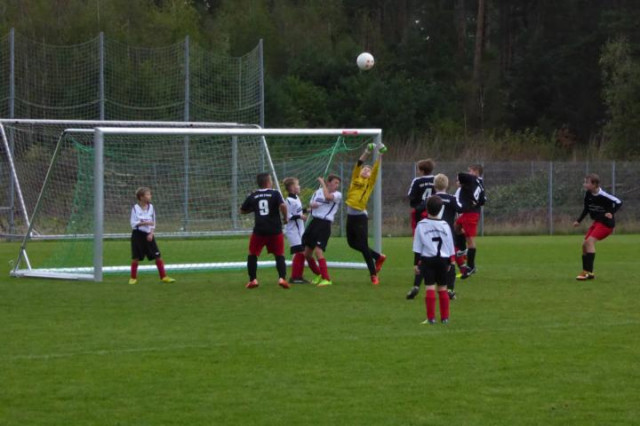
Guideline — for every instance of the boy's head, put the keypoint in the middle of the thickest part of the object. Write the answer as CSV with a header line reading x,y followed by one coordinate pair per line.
x,y
434,206
476,170
143,192
365,171
264,180
440,182
591,182
425,167
332,181
292,185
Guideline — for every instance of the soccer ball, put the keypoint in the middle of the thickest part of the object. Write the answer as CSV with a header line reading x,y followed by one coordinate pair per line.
x,y
365,61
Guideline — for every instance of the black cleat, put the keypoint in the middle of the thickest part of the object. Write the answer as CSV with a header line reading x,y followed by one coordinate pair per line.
x,y
413,292
467,273
452,294
445,321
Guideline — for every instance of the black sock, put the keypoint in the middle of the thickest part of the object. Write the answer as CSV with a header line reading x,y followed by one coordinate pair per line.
x,y
451,278
281,266
460,242
590,258
417,279
252,266
471,258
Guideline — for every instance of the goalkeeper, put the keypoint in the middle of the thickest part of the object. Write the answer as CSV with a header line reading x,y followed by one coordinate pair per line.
x,y
363,180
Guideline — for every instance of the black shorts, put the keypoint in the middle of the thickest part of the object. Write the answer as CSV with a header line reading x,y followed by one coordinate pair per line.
x,y
297,249
141,248
317,234
434,270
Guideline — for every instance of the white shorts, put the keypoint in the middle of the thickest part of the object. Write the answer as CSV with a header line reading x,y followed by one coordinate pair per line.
x,y
293,231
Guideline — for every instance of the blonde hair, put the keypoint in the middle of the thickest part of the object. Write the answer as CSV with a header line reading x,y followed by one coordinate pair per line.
x,y
440,182
288,182
141,191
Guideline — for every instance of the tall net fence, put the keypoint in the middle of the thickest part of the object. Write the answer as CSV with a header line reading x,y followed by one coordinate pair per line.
x,y
104,79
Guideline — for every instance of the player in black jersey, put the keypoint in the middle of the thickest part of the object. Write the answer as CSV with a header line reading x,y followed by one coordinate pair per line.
x,y
420,189
600,206
471,197
450,210
266,204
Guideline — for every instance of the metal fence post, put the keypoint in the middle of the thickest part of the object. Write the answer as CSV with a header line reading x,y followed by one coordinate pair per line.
x,y
550,211
101,93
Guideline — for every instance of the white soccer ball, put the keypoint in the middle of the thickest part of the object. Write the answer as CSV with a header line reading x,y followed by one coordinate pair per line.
x,y
365,61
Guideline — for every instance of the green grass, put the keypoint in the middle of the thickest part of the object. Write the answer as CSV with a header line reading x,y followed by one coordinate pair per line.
x,y
527,345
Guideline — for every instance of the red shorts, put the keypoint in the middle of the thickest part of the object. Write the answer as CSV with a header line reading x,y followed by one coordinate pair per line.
x,y
469,223
414,220
598,231
274,243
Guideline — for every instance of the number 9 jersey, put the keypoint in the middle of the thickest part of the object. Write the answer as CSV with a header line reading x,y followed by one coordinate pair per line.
x,y
265,204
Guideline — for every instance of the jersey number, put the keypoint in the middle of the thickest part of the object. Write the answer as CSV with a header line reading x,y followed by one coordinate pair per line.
x,y
263,207
426,194
439,245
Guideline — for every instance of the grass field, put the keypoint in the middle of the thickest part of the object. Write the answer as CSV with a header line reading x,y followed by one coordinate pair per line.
x,y
527,345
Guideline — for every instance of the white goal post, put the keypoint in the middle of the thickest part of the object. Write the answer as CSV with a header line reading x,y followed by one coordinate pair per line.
x,y
225,162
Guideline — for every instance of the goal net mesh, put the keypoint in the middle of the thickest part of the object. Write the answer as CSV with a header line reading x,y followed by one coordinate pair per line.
x,y
198,183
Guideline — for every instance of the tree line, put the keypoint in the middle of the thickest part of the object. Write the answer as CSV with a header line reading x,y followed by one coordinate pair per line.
x,y
552,77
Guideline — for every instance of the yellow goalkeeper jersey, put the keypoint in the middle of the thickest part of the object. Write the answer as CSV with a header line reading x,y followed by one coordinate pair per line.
x,y
360,189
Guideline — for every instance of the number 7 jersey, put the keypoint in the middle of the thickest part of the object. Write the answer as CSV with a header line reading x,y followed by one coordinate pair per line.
x,y
265,204
433,239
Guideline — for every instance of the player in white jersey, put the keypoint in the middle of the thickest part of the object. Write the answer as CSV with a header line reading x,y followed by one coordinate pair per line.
x,y
143,242
324,205
433,252
294,229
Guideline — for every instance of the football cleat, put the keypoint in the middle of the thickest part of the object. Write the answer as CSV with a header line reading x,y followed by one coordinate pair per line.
x,y
380,261
252,284
445,321
167,279
452,294
133,281
375,280
324,283
585,275
413,292
467,273
283,283
429,321
298,281
316,280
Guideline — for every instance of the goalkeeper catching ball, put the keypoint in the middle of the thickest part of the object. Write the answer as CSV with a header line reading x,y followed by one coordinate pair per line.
x,y
363,180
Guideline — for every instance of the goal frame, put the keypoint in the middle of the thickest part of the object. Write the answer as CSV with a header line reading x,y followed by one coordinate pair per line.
x,y
97,274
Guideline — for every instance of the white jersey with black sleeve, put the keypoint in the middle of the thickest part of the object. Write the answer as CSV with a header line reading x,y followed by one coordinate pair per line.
x,y
139,214
326,209
433,238
295,225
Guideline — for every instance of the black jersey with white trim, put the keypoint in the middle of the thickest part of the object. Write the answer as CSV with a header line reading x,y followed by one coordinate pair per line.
x,y
420,189
471,195
265,204
451,207
597,205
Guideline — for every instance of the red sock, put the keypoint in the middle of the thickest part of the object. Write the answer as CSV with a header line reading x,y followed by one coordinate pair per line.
x,y
134,269
323,269
313,265
160,265
430,302
297,266
461,260
443,297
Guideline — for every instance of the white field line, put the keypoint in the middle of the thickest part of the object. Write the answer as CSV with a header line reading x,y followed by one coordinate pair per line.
x,y
438,329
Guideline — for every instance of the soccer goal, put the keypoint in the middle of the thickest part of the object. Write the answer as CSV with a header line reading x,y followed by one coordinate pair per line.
x,y
198,177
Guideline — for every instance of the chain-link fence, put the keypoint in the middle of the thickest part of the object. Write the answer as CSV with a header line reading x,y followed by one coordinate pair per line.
x,y
523,197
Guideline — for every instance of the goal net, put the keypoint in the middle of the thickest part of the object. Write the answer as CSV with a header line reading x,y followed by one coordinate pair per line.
x,y
199,177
